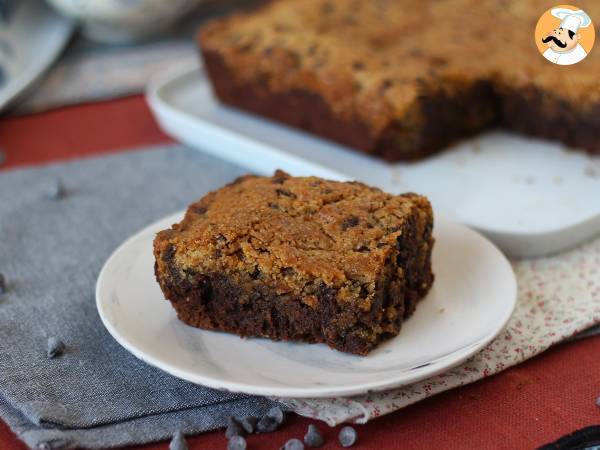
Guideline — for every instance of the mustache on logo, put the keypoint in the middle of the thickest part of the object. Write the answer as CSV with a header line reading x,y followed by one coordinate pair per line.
x,y
555,40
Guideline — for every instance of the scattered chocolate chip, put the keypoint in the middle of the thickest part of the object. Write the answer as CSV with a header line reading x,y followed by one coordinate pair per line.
x,y
266,425
248,424
347,436
277,414
271,420
313,437
285,193
54,444
357,65
362,248
237,443
56,190
3,287
349,222
56,347
293,444
273,205
233,428
178,442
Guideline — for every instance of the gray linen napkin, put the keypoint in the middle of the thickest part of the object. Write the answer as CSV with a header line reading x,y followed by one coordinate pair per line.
x,y
51,251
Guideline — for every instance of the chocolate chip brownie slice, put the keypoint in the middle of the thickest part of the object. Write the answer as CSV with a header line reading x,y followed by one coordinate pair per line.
x,y
302,259
401,80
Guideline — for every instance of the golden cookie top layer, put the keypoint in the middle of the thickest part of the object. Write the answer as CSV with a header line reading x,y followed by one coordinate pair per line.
x,y
372,59
295,232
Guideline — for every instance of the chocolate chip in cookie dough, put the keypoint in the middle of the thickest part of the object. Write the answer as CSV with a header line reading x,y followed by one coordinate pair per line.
x,y
349,222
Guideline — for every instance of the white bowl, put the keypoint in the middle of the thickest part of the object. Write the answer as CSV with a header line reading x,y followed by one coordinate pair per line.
x,y
124,20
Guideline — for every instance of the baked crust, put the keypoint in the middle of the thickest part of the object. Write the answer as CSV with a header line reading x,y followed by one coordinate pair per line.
x,y
402,84
300,259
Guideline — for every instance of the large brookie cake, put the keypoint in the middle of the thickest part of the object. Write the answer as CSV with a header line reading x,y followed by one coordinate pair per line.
x,y
402,79
300,259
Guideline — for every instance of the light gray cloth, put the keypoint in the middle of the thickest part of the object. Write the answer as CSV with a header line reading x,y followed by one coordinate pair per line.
x,y
96,395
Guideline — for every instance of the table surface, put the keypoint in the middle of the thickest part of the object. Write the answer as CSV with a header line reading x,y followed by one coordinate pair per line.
x,y
523,407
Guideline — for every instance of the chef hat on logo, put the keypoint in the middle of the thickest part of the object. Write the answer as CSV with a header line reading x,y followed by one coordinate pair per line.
x,y
571,20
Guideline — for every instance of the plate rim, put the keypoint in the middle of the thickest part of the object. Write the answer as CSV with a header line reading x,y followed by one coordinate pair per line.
x,y
442,364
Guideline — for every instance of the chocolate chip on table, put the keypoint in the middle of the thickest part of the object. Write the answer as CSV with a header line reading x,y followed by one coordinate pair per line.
x,y
277,414
234,428
56,347
237,443
271,420
266,424
54,444
313,437
248,424
347,436
3,287
293,444
56,190
178,442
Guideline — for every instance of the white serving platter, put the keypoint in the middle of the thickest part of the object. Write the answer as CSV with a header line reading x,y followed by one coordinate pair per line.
x,y
531,197
470,302
30,41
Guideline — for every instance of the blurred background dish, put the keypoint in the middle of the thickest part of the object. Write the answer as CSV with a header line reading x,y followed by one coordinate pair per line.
x,y
25,56
118,21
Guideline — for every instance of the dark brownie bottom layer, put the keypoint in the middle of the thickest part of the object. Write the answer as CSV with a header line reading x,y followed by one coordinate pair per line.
x,y
241,303
536,113
437,120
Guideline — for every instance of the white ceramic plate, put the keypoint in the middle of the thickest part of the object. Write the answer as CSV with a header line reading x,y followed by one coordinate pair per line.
x,y
30,41
529,196
472,299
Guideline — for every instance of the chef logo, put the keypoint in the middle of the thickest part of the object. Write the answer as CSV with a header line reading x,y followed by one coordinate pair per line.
x,y
564,35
